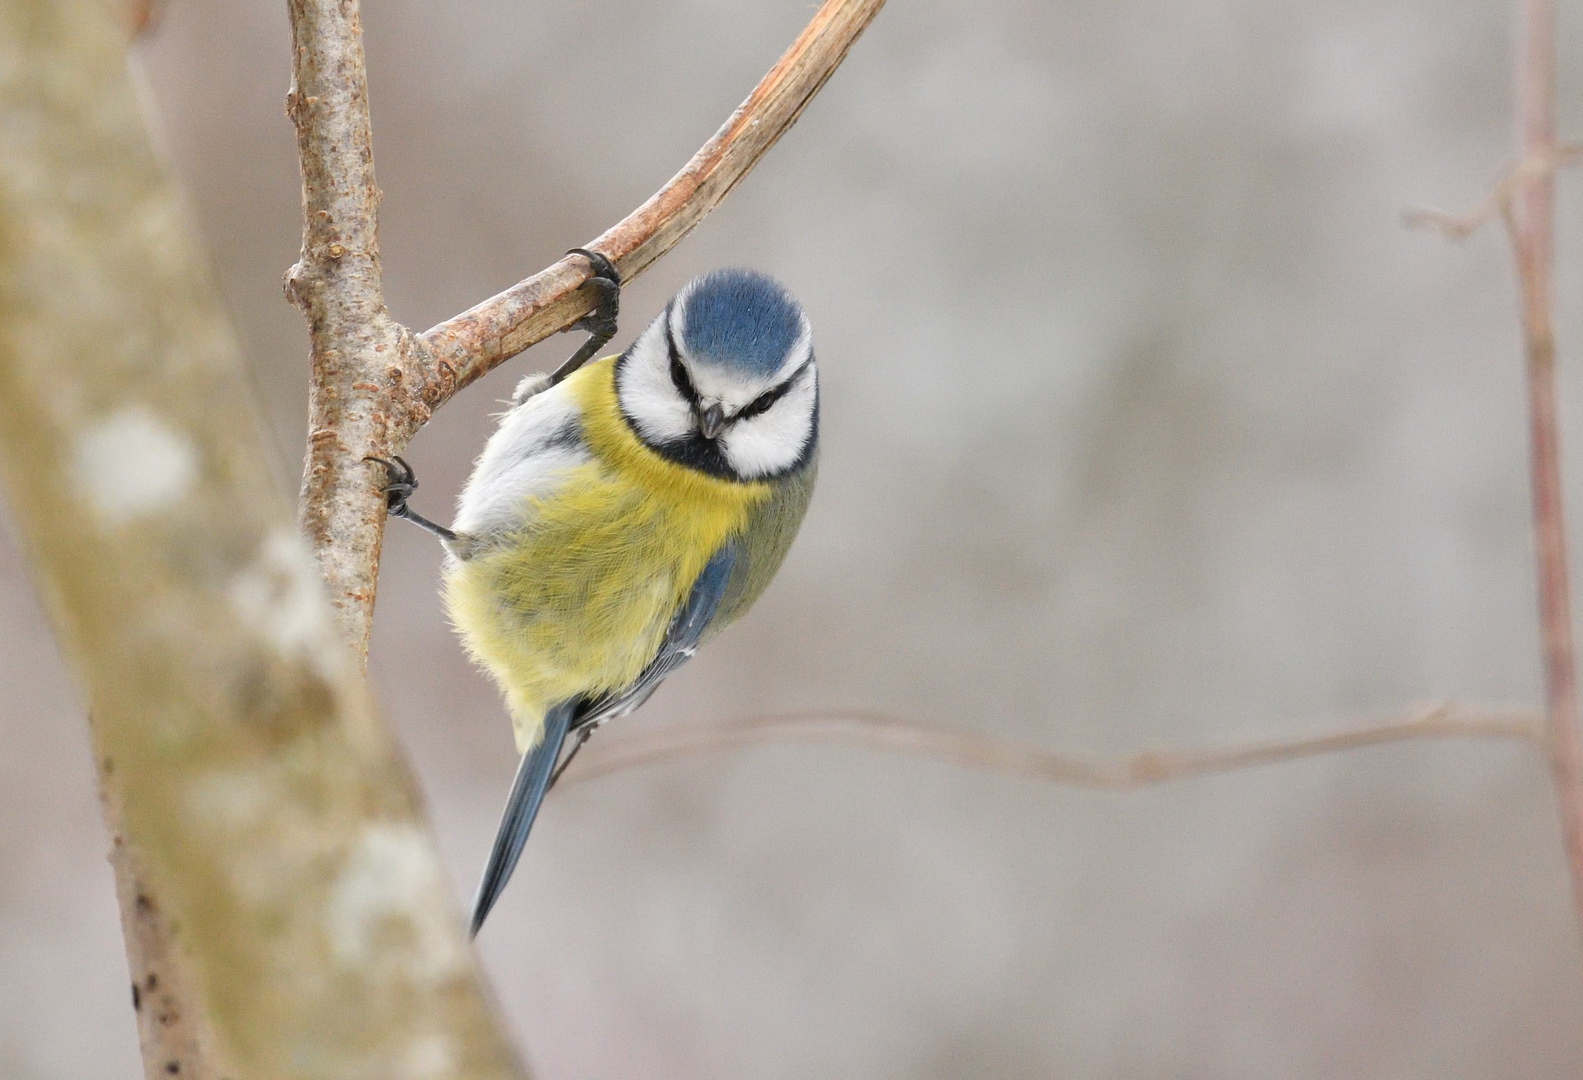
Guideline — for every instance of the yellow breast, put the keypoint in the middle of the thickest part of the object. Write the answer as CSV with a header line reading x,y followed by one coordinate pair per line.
x,y
577,600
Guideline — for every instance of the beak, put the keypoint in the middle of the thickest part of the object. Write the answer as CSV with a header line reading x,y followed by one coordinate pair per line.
x,y
712,420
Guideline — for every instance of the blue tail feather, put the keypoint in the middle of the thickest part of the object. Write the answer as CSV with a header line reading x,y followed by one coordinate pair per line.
x,y
522,806
538,765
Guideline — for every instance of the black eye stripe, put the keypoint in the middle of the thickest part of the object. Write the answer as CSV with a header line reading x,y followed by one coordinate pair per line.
x,y
763,402
769,397
684,385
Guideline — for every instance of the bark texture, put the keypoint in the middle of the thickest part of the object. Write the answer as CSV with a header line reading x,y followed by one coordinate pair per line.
x,y
279,881
362,359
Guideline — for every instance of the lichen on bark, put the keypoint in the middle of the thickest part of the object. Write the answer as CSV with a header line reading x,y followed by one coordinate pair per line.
x,y
262,810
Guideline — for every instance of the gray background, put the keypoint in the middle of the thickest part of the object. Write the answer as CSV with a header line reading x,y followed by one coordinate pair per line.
x,y
1145,424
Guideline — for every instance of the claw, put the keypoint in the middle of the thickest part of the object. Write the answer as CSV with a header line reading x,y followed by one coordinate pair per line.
x,y
603,267
400,483
599,324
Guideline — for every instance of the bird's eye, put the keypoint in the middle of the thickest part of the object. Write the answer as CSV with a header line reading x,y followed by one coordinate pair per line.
x,y
762,402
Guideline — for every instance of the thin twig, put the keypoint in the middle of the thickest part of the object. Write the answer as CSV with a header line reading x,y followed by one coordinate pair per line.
x,y
1536,166
1005,757
1531,223
479,339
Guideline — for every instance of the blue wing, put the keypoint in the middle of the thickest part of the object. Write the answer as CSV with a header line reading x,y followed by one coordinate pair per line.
x,y
681,641
537,770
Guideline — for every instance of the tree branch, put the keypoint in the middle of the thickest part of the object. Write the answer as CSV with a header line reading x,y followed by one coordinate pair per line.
x,y
173,1030
1004,757
1531,222
374,382
479,339
276,873
362,359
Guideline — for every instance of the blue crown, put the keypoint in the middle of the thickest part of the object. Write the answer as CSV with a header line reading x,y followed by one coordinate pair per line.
x,y
740,319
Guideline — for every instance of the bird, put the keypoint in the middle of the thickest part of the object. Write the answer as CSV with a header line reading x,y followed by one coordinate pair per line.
x,y
624,512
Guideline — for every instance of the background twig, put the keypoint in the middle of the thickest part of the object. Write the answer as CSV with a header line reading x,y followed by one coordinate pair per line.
x,y
1532,223
1543,162
876,731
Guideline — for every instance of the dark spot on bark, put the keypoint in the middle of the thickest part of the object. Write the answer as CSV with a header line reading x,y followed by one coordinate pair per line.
x,y
173,1067
153,981
137,998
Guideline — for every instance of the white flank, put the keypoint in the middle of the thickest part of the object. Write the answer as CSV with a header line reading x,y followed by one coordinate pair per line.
x,y
523,460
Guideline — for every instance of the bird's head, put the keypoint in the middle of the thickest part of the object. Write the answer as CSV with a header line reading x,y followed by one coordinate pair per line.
x,y
724,379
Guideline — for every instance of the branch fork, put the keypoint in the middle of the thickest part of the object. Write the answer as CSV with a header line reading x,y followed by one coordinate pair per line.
x,y
1540,165
375,382
1525,201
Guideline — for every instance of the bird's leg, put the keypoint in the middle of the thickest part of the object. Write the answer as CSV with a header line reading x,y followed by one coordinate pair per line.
x,y
400,483
600,323
582,737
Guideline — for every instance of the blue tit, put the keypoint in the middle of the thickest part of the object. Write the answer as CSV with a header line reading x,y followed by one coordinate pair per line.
x,y
625,512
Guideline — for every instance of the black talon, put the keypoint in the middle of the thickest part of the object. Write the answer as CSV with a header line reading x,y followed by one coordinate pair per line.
x,y
603,267
400,483
599,324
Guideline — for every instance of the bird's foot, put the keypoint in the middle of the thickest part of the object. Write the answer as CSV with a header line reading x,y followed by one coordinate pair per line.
x,y
599,324
400,483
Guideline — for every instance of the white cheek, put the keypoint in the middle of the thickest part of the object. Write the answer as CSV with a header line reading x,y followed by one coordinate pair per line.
x,y
773,442
647,394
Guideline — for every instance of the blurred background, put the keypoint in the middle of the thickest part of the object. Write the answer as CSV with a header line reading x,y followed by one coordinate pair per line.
x,y
1146,424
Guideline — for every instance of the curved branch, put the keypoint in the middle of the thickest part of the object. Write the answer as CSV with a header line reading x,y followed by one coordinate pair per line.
x,y
1005,757
375,383
479,339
